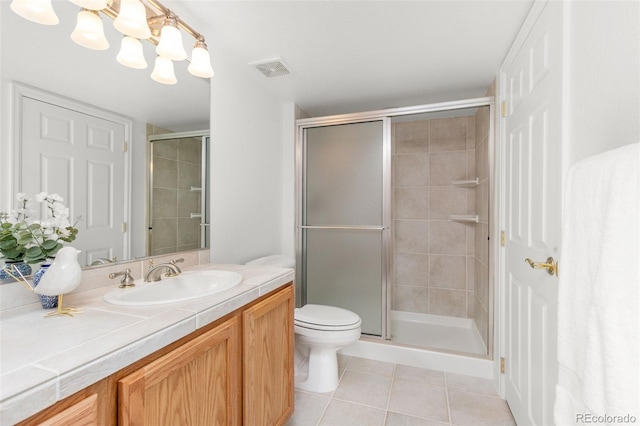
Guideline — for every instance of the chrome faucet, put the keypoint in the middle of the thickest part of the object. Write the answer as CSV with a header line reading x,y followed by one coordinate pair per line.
x,y
154,273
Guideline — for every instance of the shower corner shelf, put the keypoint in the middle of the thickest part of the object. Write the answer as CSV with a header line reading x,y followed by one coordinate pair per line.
x,y
464,218
469,183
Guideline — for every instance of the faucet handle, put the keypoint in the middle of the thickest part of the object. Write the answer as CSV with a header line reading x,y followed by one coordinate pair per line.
x,y
126,281
173,262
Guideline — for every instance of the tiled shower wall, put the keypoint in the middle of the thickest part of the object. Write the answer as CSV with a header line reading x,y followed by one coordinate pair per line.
x,y
433,256
176,169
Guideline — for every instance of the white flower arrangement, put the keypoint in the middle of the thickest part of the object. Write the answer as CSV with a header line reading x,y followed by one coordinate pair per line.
x,y
23,238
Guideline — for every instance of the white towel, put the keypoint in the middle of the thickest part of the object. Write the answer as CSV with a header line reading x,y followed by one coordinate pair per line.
x,y
598,298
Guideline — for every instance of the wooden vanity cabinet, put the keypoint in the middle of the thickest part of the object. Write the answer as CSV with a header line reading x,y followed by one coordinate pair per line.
x,y
268,360
82,413
195,384
238,370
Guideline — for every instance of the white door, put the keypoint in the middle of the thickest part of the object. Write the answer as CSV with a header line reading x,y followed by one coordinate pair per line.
x,y
81,158
532,148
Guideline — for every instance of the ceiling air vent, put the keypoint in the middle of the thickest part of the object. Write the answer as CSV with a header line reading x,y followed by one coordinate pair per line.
x,y
272,67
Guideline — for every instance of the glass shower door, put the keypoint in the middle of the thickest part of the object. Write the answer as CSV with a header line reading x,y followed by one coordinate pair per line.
x,y
342,224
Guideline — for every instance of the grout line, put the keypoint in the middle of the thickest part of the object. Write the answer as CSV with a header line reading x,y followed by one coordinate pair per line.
x,y
393,380
446,391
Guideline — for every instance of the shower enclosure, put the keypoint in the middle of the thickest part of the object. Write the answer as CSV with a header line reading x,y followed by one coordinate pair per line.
x,y
178,176
393,221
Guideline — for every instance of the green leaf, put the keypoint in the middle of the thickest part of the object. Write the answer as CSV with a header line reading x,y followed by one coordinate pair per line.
x,y
24,239
34,252
49,245
8,244
6,225
12,254
34,226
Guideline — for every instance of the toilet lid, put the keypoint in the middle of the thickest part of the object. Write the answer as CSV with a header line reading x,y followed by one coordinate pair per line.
x,y
315,316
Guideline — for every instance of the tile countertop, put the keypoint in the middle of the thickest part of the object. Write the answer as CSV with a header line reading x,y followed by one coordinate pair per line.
x,y
44,360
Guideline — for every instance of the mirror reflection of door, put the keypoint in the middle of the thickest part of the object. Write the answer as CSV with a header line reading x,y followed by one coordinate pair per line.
x,y
78,152
178,215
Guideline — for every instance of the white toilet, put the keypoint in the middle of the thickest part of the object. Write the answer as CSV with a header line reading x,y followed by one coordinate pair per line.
x,y
319,332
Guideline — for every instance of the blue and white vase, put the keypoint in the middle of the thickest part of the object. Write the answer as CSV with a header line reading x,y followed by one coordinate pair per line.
x,y
11,265
47,302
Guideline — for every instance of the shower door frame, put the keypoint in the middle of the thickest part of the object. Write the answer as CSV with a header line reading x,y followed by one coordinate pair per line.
x,y
386,207
385,116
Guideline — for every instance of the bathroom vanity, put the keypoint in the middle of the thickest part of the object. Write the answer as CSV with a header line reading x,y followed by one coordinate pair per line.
x,y
220,359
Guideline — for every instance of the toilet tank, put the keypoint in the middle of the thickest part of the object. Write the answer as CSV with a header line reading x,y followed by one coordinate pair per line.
x,y
276,260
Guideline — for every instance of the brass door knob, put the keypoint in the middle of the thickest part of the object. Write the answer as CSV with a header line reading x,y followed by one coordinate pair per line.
x,y
550,265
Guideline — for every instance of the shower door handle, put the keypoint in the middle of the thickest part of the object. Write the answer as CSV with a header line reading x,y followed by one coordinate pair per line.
x,y
360,228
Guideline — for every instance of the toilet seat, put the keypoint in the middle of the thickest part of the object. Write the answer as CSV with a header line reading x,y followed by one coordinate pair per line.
x,y
329,318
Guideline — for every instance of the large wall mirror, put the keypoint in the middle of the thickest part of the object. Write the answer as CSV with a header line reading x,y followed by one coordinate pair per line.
x,y
45,58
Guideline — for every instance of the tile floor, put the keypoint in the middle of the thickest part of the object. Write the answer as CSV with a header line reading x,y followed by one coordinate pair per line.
x,y
374,393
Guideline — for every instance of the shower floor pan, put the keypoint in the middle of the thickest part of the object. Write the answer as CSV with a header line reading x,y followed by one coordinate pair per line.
x,y
429,341
436,332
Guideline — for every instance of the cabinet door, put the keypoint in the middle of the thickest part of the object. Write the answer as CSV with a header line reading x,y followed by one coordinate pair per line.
x,y
268,360
83,413
196,384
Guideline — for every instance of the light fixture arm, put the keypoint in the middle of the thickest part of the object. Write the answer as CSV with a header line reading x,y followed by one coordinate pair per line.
x,y
167,12
163,13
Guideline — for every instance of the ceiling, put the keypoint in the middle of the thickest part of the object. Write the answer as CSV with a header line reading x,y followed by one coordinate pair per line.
x,y
344,56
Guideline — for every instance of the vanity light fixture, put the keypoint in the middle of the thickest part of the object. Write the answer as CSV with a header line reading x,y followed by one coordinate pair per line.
x,y
132,19
200,65
89,31
130,54
170,45
137,20
163,71
38,11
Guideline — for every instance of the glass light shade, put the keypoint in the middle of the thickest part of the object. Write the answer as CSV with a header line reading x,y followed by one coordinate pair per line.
x,y
131,54
170,45
90,4
38,11
163,71
89,31
200,65
132,19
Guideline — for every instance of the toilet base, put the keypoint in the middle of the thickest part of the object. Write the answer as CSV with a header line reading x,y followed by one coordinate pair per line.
x,y
318,370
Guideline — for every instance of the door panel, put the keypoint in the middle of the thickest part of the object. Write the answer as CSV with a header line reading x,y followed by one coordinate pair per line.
x,y
344,175
343,220
81,158
343,269
532,144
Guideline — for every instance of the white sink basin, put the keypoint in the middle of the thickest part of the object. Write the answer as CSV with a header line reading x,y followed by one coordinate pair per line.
x,y
186,286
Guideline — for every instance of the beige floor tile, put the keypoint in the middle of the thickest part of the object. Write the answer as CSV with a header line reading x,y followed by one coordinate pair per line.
x,y
367,389
419,399
341,413
309,408
473,409
370,366
397,419
471,384
343,360
430,377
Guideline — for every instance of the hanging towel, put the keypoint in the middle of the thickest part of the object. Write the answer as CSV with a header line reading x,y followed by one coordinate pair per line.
x,y
598,298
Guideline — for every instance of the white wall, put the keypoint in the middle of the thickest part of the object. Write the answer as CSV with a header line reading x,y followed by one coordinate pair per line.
x,y
246,166
602,76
